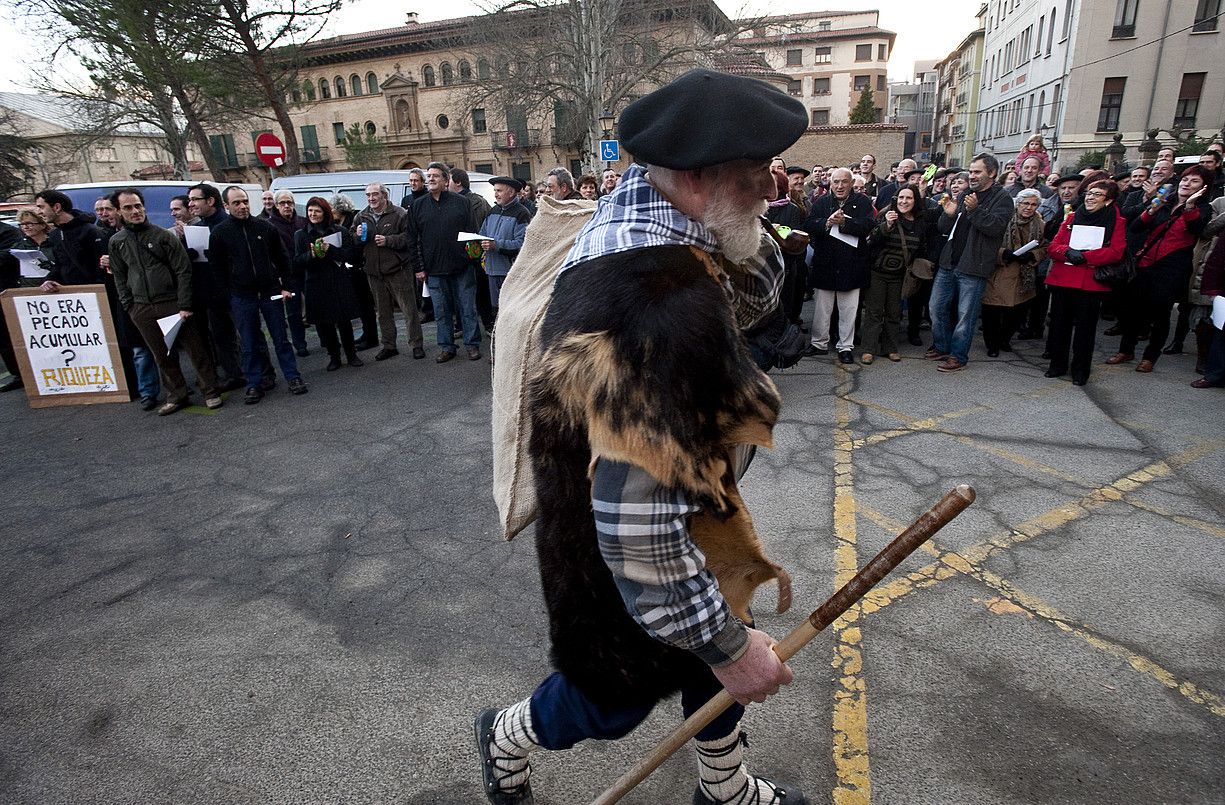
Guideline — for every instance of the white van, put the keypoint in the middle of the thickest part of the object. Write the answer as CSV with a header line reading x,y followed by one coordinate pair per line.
x,y
157,195
353,185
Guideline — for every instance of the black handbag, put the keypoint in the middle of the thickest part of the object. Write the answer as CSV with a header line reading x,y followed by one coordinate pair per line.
x,y
1116,275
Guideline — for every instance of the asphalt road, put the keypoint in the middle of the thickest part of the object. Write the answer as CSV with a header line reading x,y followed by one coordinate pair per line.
x,y
306,601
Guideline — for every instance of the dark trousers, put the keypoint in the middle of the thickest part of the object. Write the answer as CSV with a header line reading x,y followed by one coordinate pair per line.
x,y
1214,367
562,715
190,339
328,337
1147,309
916,307
999,325
1073,324
7,354
1034,316
365,304
1183,325
247,313
227,349
293,314
484,300
882,314
390,290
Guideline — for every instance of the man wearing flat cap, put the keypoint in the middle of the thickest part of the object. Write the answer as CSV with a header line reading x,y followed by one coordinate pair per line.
x,y
640,403
504,229
795,186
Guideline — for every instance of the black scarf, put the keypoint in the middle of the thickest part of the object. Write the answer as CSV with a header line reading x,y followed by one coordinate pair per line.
x,y
1104,217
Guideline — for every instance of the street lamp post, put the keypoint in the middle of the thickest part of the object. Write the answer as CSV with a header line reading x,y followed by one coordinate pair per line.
x,y
607,121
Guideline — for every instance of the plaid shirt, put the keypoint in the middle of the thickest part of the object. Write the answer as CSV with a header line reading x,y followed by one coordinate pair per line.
x,y
643,533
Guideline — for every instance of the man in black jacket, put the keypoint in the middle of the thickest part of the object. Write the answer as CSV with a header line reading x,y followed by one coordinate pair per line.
x,y
77,243
251,265
10,273
442,261
839,225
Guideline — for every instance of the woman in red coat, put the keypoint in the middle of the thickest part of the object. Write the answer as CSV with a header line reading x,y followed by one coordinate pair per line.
x,y
1076,298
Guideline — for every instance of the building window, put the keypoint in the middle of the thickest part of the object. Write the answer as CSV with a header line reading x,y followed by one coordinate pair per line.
x,y
863,53
820,86
105,154
448,75
341,89
1050,38
338,133
427,75
882,53
521,171
1067,21
372,84
465,71
1125,19
223,149
296,94
1041,109
482,70
795,58
355,84
1112,103
325,89
820,117
483,167
371,129
880,83
308,89
478,121
1206,13
1055,105
825,55
1188,100
862,82
795,87
823,25
443,121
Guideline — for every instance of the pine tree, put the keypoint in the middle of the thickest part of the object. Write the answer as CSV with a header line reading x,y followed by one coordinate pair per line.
x,y
865,109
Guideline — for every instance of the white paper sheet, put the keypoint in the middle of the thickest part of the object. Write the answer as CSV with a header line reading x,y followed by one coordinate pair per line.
x,y
1026,249
29,260
333,239
851,240
171,325
197,238
276,297
1085,238
470,236
425,290
1218,312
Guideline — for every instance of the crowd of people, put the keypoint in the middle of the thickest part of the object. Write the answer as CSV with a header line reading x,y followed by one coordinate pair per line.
x,y
1026,252
270,274
947,249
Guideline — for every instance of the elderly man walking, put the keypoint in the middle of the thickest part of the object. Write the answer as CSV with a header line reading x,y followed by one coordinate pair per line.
x,y
387,239
975,225
645,376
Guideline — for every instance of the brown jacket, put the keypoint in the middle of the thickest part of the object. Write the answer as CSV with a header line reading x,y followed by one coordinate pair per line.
x,y
1015,282
397,226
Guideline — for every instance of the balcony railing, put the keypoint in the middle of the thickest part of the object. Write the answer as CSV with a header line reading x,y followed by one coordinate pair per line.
x,y
515,139
313,156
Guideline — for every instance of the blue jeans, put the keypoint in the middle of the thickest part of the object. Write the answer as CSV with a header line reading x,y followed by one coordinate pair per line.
x,y
562,715
247,311
451,294
947,338
148,384
293,313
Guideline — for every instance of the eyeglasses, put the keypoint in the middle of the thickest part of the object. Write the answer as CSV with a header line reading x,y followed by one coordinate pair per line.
x,y
24,224
1095,194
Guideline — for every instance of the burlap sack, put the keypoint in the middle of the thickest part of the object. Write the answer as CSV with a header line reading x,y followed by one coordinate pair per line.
x,y
516,345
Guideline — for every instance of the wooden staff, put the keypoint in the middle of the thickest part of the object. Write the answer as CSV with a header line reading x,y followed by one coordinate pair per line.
x,y
931,521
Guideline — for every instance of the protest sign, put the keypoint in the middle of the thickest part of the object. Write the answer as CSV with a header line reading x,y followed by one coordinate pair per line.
x,y
65,345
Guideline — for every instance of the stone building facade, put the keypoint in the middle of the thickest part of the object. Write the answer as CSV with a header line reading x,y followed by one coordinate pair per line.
x,y
957,98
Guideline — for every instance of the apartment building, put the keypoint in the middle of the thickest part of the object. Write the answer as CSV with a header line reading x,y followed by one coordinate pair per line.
x,y
829,58
957,97
913,104
1079,72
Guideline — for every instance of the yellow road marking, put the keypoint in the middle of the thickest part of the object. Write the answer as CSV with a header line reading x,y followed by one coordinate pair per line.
x,y
952,563
850,719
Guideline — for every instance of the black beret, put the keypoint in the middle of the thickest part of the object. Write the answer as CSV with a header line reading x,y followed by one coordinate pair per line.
x,y
910,173
707,118
1071,177
797,169
507,180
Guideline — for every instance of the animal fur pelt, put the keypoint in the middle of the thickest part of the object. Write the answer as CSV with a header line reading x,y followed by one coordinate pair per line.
x,y
642,364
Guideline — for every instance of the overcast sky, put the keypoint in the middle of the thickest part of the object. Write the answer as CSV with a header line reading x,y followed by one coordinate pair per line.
x,y
925,30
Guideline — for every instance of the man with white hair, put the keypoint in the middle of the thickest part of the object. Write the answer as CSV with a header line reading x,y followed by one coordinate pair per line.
x,y
644,378
286,221
386,237
888,191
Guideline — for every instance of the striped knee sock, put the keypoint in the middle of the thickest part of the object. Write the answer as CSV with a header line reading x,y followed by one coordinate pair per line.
x,y
723,779
513,738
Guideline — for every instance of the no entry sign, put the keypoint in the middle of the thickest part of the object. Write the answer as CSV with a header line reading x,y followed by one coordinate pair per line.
x,y
270,150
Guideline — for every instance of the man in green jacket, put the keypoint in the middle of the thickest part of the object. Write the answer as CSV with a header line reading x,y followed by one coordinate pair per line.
x,y
153,280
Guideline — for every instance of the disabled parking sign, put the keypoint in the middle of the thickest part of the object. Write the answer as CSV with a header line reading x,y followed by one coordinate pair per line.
x,y
610,150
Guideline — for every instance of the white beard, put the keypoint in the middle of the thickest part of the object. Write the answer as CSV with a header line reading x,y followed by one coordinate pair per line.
x,y
737,230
